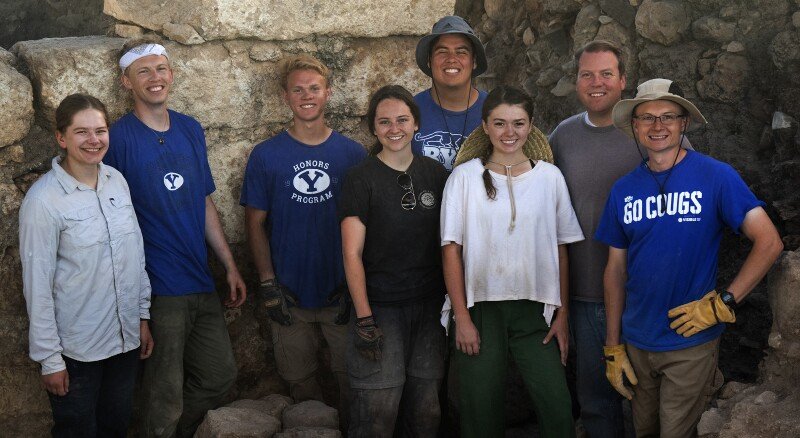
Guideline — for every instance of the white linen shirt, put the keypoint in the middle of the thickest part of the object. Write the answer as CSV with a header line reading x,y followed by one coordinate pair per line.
x,y
499,264
83,268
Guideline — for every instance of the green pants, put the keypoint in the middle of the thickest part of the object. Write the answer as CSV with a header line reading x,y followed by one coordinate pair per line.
x,y
192,366
517,327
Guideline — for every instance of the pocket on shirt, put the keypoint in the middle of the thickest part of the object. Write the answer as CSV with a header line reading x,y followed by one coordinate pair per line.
x,y
84,227
122,220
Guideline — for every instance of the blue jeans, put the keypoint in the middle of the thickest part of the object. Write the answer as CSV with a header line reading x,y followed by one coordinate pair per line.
x,y
99,400
601,405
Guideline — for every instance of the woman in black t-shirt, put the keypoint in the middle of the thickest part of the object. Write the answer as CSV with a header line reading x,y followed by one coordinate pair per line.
x,y
389,210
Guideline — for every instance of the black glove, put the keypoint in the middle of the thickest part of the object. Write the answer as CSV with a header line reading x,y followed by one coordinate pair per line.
x,y
341,296
370,338
276,298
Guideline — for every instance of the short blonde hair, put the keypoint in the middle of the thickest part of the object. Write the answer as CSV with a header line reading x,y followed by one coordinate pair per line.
x,y
302,62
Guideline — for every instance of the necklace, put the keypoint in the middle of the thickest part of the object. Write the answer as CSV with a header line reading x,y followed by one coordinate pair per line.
x,y
456,146
160,135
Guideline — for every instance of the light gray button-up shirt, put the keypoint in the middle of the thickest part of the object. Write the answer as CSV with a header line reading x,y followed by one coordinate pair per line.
x,y
82,268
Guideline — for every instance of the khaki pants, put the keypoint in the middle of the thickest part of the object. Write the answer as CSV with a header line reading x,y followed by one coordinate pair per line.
x,y
674,389
192,366
296,347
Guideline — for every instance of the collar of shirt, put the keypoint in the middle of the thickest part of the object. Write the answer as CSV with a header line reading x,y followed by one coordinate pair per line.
x,y
70,184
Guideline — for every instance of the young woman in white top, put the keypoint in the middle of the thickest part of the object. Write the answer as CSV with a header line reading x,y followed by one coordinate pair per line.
x,y
506,219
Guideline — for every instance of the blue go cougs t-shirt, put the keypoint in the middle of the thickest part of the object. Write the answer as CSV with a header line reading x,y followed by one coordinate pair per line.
x,y
442,132
298,186
169,183
672,256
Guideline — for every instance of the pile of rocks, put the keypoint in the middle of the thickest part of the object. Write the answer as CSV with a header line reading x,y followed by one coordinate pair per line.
x,y
271,416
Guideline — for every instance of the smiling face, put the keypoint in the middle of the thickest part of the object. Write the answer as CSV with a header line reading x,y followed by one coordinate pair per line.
x,y
658,137
85,139
508,127
306,93
599,85
149,79
394,125
452,61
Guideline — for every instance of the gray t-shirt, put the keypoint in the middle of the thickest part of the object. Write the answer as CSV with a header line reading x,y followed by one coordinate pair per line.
x,y
591,159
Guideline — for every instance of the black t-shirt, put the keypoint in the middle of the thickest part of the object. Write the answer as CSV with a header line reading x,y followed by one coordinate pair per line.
x,y
402,250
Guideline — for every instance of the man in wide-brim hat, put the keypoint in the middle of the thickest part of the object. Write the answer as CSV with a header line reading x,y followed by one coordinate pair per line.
x,y
452,55
663,223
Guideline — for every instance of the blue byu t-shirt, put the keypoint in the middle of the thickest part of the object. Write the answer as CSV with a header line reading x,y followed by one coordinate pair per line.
x,y
169,183
672,256
298,185
441,132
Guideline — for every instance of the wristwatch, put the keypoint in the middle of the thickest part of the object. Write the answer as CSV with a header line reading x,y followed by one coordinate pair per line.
x,y
728,299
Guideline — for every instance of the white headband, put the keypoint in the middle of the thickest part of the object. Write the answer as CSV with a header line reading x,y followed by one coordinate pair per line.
x,y
140,52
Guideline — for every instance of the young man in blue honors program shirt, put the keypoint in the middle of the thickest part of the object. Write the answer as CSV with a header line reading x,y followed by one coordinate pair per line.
x,y
663,223
162,154
290,190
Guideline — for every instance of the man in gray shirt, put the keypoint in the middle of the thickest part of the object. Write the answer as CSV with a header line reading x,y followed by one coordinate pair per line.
x,y
592,154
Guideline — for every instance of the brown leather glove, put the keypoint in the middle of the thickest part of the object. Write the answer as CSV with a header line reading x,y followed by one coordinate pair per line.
x,y
370,338
699,315
617,365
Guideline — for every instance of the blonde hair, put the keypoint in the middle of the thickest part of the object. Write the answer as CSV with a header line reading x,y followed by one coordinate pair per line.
x,y
302,62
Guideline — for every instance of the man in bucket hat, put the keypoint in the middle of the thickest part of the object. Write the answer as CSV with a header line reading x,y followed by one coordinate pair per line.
x,y
452,55
663,223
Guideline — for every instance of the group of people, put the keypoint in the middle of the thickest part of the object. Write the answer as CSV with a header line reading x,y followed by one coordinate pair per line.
x,y
461,218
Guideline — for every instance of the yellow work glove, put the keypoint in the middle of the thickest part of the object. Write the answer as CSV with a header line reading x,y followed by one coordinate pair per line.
x,y
699,315
617,364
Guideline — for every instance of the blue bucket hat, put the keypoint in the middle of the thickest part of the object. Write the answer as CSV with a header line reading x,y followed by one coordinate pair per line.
x,y
449,25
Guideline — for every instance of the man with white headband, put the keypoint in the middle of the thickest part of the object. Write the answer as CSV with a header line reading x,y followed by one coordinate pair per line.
x,y
663,223
162,154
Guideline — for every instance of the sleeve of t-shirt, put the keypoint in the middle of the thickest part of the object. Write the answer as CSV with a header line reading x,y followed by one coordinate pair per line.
x,y
256,187
735,198
116,144
568,227
354,200
452,215
609,230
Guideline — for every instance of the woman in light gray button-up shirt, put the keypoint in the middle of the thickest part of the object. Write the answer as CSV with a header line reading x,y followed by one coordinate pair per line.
x,y
87,292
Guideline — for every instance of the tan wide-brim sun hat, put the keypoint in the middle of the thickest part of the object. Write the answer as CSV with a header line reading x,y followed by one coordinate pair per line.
x,y
654,89
476,145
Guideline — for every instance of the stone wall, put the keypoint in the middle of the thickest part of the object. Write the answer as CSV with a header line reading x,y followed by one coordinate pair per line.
x,y
22,20
224,54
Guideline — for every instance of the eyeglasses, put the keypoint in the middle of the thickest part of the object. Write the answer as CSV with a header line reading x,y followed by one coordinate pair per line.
x,y
409,200
665,119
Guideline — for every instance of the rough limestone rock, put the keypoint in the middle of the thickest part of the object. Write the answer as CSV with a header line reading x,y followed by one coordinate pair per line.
x,y
309,432
586,25
784,282
663,21
710,423
229,422
16,101
728,79
311,413
272,405
283,19
59,67
714,29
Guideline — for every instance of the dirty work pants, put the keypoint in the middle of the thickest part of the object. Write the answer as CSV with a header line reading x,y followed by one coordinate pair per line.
x,y
398,395
192,365
99,400
517,327
601,405
674,389
296,347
